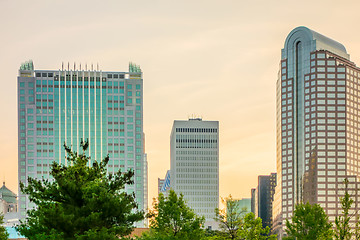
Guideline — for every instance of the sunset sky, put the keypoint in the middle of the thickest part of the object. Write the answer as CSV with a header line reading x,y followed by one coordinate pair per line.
x,y
214,59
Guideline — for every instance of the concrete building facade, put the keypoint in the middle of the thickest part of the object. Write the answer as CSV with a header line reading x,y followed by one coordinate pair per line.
x,y
194,151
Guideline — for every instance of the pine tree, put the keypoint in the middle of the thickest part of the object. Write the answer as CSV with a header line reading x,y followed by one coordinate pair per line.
x,y
81,202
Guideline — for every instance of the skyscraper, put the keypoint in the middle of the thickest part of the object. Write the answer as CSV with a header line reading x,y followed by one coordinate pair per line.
x,y
194,167
67,105
265,196
317,124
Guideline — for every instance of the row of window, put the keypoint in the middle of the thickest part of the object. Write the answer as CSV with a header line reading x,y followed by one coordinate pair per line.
x,y
197,130
196,175
44,74
197,164
196,152
197,170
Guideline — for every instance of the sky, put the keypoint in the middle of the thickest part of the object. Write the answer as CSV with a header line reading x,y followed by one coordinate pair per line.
x,y
214,59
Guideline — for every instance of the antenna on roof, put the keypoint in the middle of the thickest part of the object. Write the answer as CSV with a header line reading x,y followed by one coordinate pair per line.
x,y
62,66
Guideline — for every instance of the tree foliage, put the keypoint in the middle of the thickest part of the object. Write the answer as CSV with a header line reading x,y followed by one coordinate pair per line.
x,y
252,229
230,219
173,219
3,233
342,222
236,224
80,202
309,222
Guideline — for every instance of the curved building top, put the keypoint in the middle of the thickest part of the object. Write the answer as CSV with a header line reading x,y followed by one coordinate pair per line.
x,y
314,40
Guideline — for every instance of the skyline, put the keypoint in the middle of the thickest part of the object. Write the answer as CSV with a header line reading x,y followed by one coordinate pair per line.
x,y
171,47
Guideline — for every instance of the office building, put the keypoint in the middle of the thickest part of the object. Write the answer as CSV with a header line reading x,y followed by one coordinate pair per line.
x,y
265,196
67,105
164,184
262,198
194,153
317,124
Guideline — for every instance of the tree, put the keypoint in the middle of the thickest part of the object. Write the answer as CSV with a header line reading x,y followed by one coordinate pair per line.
x,y
173,219
342,223
3,233
230,219
81,202
236,224
252,229
309,222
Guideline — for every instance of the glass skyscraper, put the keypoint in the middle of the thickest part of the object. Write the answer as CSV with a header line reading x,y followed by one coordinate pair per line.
x,y
67,105
318,125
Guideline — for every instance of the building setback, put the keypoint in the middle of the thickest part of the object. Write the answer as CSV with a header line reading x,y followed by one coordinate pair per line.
x,y
317,125
194,150
68,105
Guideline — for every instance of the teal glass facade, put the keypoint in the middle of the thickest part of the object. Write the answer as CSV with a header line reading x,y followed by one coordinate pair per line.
x,y
66,106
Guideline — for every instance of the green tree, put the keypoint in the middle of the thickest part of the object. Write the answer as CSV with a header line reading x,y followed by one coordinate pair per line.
x,y
172,219
342,223
309,222
3,233
357,228
80,202
252,229
230,219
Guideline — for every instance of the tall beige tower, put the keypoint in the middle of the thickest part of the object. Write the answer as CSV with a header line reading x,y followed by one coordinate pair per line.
x,y
318,125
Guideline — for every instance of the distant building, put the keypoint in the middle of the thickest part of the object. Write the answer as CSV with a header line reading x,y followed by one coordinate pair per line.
x,y
266,190
8,200
262,198
244,204
160,184
9,206
164,184
194,151
253,192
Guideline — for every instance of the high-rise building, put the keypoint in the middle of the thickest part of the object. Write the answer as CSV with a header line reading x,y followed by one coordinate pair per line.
x,y
262,198
67,105
194,153
317,124
265,193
